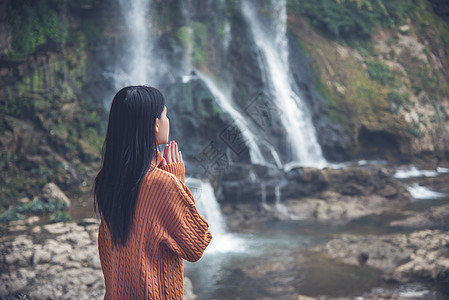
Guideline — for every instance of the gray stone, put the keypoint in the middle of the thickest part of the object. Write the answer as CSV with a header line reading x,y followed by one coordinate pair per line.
x,y
51,192
420,255
40,255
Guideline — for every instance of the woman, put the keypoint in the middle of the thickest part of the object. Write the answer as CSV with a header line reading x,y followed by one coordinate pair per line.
x,y
149,222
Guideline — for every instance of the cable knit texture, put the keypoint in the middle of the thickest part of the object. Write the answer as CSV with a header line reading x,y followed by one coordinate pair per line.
x,y
166,229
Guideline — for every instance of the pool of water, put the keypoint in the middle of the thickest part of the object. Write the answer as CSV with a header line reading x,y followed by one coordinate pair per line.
x,y
275,264
271,260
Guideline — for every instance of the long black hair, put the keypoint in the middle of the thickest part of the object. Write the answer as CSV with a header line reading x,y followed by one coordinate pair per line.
x,y
127,153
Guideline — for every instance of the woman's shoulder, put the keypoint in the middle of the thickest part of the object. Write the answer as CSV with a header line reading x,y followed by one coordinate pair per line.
x,y
165,185
161,178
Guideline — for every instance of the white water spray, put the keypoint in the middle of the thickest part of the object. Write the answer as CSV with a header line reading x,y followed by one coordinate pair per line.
x,y
412,171
264,196
222,101
420,192
207,205
296,118
137,69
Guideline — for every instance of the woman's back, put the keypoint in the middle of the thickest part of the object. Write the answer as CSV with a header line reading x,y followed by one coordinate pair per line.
x,y
149,222
166,229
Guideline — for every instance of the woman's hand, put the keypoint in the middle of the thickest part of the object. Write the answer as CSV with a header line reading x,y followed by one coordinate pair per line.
x,y
171,154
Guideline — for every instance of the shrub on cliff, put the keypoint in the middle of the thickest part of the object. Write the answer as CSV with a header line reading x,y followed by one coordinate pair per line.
x,y
350,19
33,24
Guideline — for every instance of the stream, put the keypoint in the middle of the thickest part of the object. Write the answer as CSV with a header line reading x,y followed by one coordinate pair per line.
x,y
270,260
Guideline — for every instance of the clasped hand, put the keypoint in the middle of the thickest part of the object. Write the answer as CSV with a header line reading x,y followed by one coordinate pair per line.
x,y
171,154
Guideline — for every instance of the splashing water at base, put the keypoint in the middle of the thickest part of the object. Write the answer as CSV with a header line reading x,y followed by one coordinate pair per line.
x,y
207,205
412,171
421,192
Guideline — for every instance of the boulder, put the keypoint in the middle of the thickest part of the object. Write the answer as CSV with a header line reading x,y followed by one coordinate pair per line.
x,y
420,255
51,193
435,217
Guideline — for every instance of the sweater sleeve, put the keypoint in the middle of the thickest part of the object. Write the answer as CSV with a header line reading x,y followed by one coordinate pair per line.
x,y
177,169
186,231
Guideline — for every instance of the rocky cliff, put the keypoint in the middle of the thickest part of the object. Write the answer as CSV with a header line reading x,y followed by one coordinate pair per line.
x,y
385,83
376,86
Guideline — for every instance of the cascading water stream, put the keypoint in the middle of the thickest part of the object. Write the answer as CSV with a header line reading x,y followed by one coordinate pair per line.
x,y
137,53
251,141
296,118
207,205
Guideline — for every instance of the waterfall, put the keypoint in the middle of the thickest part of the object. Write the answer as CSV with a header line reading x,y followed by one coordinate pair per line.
x,y
296,119
264,196
224,103
207,205
137,66
279,206
419,192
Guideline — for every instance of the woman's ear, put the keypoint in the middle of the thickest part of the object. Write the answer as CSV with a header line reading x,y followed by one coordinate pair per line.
x,y
156,126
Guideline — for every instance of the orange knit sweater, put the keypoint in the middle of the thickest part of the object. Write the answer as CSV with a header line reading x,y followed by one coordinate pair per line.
x,y
166,229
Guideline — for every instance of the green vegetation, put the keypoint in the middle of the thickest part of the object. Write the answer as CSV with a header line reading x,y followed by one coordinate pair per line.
x,y
352,20
39,206
60,216
33,24
10,215
184,35
15,107
199,49
379,71
194,38
399,98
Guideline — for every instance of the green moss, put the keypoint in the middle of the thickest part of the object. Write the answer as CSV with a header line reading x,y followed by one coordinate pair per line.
x,y
41,171
61,131
41,206
16,107
68,91
352,20
32,24
93,138
379,71
184,35
193,37
200,41
366,96
399,98
10,215
24,86
334,112
60,216
37,80
414,130
437,107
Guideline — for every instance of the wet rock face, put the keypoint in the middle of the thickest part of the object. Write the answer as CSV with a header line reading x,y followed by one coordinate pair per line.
x,y
54,261
310,194
195,117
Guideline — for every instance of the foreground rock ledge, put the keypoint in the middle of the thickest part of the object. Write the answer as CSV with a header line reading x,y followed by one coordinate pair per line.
x,y
55,261
418,256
